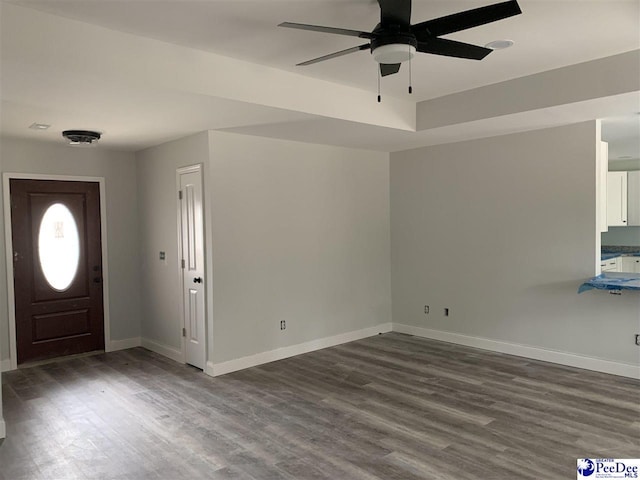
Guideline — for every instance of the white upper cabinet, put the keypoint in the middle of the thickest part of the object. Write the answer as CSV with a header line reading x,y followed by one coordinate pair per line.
x,y
633,202
617,199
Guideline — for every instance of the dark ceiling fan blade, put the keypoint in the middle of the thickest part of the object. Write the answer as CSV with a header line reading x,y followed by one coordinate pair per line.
x,y
397,12
366,46
389,68
467,19
451,48
337,31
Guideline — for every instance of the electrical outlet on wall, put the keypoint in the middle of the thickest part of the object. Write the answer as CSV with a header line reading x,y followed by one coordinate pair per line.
x,y
283,324
426,309
446,312
638,339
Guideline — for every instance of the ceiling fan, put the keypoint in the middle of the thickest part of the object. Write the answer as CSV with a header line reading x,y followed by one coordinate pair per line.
x,y
394,40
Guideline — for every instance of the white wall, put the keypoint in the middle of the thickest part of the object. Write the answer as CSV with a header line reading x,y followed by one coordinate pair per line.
x,y
118,169
502,231
300,233
158,231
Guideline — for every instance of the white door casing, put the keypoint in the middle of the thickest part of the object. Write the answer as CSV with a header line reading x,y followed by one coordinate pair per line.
x,y
192,262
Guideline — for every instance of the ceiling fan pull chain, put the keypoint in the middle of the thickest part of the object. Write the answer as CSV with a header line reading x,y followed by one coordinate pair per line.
x,y
379,96
410,81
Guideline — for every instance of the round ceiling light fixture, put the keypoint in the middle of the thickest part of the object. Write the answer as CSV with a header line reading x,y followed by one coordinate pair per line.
x,y
81,137
394,53
499,44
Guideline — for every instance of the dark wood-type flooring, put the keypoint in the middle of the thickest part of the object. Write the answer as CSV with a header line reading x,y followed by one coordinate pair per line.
x,y
384,408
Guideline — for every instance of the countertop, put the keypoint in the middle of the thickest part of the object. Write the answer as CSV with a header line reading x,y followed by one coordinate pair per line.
x,y
609,255
612,281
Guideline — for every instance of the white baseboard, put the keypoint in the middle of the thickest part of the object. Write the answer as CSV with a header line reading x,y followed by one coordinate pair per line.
x,y
3,429
215,369
123,344
165,350
537,353
5,365
209,368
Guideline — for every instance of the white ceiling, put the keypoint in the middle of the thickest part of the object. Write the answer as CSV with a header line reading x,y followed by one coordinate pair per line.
x,y
548,35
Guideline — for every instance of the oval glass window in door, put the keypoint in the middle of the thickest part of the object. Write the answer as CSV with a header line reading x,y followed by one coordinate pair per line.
x,y
58,246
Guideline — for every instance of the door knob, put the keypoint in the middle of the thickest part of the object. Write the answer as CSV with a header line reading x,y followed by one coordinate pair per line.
x,y
197,280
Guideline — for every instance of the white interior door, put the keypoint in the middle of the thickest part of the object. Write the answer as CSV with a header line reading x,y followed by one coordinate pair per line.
x,y
192,246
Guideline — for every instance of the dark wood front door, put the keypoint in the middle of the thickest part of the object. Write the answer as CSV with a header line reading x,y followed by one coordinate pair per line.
x,y
57,266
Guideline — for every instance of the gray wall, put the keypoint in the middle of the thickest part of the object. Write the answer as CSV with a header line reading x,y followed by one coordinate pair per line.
x,y
300,233
622,236
4,328
118,169
622,165
161,321
502,231
294,232
4,312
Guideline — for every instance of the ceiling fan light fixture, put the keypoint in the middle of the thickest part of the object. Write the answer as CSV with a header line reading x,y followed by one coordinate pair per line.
x,y
394,53
81,137
499,44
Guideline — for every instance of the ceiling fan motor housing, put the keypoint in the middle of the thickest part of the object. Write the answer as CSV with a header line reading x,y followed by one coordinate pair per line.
x,y
393,44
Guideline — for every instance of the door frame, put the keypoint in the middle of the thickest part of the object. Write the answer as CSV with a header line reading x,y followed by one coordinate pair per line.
x,y
198,167
11,298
